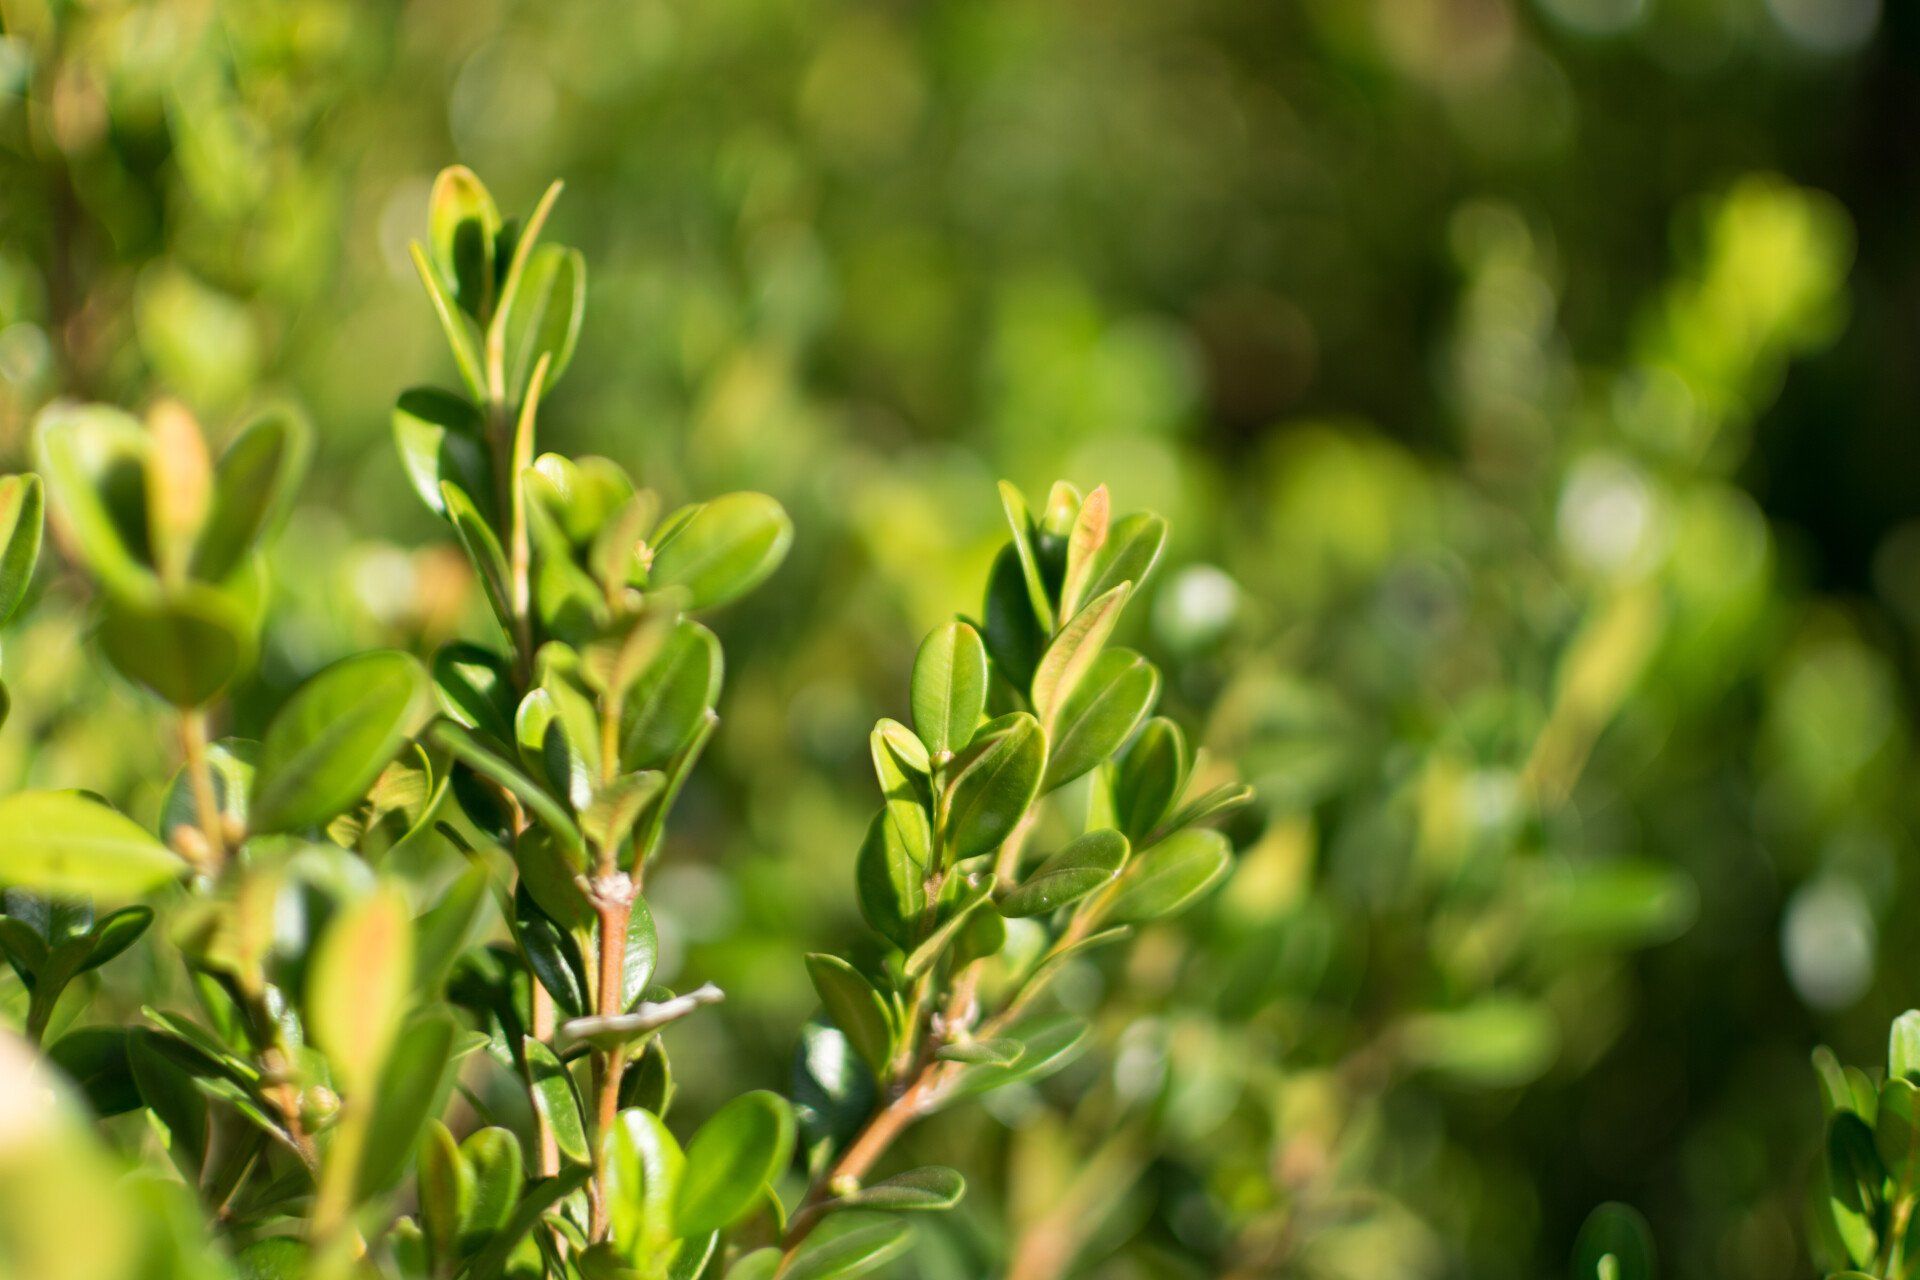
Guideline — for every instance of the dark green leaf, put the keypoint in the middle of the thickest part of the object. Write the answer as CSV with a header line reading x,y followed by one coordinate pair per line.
x,y
440,437
833,1091
462,227
95,1058
891,884
1020,524
1151,778
113,934
666,706
475,686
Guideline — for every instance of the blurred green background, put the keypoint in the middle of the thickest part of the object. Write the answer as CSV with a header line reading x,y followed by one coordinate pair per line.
x,y
1529,384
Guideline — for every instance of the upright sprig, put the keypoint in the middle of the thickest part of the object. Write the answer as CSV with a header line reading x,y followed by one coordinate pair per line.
x,y
285,1092
1868,1182
1006,714
572,741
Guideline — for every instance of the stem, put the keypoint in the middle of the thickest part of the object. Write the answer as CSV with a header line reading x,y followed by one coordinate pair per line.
x,y
614,901
881,1132
206,799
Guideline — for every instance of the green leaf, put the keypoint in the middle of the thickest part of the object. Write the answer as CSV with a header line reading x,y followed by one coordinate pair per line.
x,y
95,1059
546,314
855,1007
722,549
1089,533
1071,654
231,762
463,338
1069,875
551,950
492,1156
66,843
475,687
1049,1044
448,928
114,933
1129,554
535,1201
1167,877
1151,778
731,1159
933,1187
334,736
1854,1180
644,1167
253,484
94,460
446,1193
1002,1051
441,439
1102,713
552,819
761,1264
891,885
186,644
358,985
1903,1046
1013,634
1224,798
833,1091
463,227
1618,1232
610,817
21,518
928,952
1020,523
994,782
904,789
482,546
1896,1132
663,709
413,1087
642,953
852,1253
557,1098
949,688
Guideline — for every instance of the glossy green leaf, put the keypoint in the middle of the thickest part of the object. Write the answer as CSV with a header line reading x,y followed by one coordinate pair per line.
x,y
641,954
253,484
535,1202
492,1157
1129,554
1896,1132
1169,876
21,518
441,439
112,934
1013,635
949,688
732,1157
545,318
1854,1180
186,644
1223,799
95,1059
666,705
1001,1051
449,927
644,1168
1903,1046
833,1091
475,687
557,1098
994,782
334,736
723,548
462,228
359,984
445,1185
904,789
63,842
855,1007
1069,875
482,545
1071,654
955,915
890,884
1102,713
463,337
851,1253
554,821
